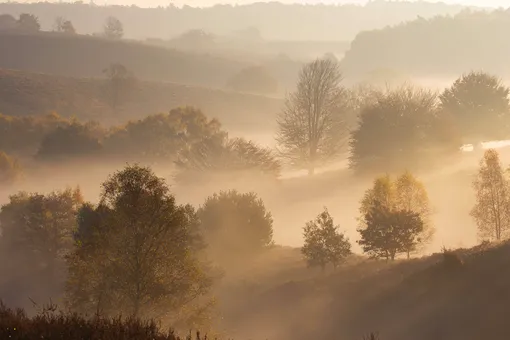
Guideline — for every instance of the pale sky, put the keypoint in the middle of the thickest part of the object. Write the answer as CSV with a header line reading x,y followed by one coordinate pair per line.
x,y
154,3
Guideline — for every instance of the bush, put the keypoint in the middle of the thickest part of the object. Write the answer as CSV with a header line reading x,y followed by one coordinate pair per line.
x,y
50,324
451,261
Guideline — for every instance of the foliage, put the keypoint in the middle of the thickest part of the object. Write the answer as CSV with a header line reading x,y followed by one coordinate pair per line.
x,y
139,256
479,105
235,226
113,28
254,79
323,243
51,323
162,136
492,209
23,135
28,23
405,193
311,127
10,169
62,25
74,140
390,232
39,227
7,22
220,155
400,129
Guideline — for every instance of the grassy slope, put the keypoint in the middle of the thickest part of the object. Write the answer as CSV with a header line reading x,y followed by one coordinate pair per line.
x,y
23,93
417,299
87,56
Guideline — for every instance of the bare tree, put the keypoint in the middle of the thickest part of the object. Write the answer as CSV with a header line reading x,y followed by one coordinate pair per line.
x,y
62,25
491,211
120,81
311,127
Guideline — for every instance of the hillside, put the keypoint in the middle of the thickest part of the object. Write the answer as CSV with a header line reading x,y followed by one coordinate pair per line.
x,y
23,93
444,45
420,299
276,21
87,56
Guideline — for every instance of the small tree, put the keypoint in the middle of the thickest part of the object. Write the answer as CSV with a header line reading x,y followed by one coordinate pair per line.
x,y
235,225
492,209
120,82
113,28
62,25
28,23
136,251
311,129
390,232
323,243
406,193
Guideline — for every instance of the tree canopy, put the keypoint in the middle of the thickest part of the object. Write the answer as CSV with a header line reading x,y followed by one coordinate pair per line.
x,y
323,242
235,226
136,251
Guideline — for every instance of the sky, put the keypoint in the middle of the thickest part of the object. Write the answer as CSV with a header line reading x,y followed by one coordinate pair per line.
x,y
154,3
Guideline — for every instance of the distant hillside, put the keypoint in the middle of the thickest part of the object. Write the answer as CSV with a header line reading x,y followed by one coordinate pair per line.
x,y
273,19
443,45
85,56
23,93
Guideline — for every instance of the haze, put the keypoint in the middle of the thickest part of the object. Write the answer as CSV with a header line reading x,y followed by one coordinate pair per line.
x,y
258,171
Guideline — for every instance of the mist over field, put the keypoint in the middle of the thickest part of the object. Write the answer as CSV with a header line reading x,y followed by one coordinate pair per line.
x,y
255,170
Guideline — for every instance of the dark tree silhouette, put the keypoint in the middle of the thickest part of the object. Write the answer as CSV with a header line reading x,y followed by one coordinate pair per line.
x,y
113,28
28,23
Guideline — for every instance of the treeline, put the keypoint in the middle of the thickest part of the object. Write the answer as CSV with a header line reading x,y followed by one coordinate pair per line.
x,y
443,45
184,137
397,129
325,22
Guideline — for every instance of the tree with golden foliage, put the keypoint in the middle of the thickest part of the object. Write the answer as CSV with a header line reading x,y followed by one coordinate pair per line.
x,y
137,252
492,209
405,193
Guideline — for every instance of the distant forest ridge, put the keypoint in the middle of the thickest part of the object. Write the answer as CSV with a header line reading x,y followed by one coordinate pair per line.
x,y
274,21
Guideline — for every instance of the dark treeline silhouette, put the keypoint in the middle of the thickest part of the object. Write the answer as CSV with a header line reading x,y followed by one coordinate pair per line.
x,y
443,45
332,23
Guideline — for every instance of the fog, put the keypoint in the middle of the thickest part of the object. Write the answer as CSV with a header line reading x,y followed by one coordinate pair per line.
x,y
218,98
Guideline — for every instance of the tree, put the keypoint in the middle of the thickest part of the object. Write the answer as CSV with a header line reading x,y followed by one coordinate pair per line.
x,y
405,193
390,232
113,28
120,82
479,105
492,209
217,155
311,130
401,129
235,226
75,140
323,243
136,251
254,79
28,23
162,136
10,169
40,227
63,25
7,22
